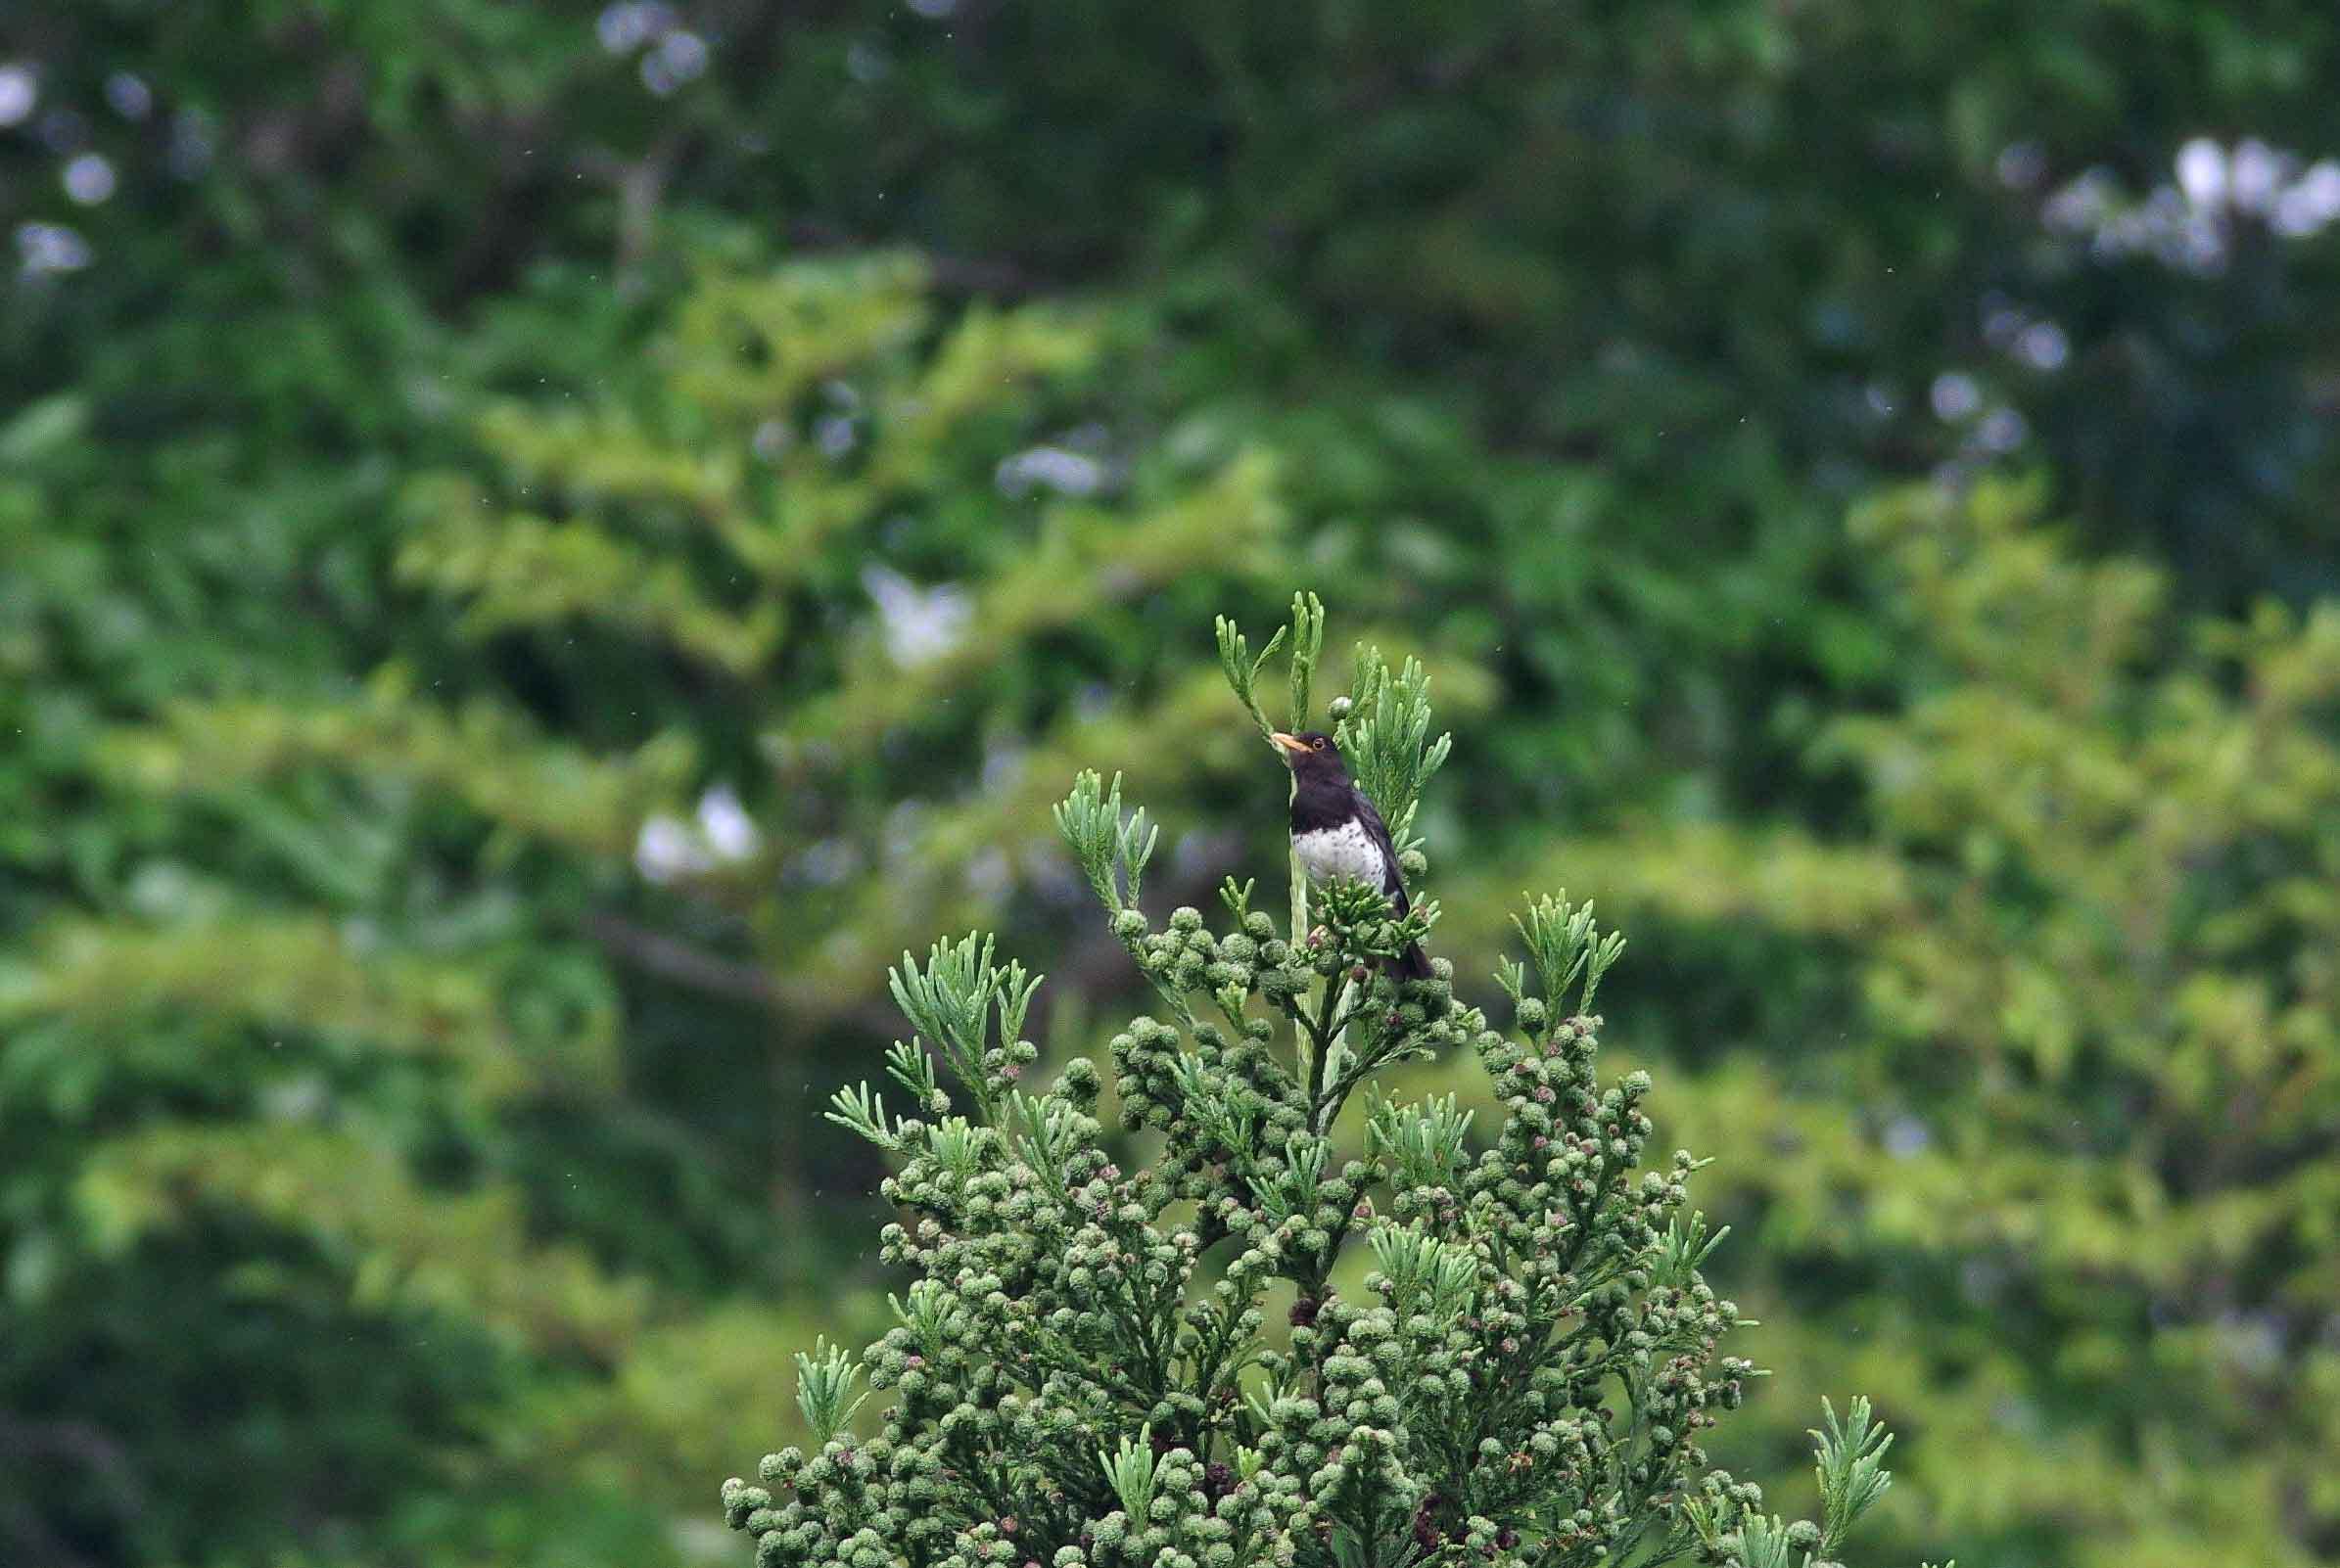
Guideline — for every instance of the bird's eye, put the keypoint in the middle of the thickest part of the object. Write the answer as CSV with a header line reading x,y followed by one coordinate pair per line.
x,y
1318,743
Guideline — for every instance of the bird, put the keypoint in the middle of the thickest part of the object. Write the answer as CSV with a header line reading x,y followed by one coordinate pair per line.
x,y
1336,832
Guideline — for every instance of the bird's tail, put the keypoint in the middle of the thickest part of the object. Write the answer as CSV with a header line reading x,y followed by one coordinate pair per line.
x,y
1413,963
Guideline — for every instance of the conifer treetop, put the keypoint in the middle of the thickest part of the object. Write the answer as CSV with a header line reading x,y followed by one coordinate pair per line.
x,y
1085,1370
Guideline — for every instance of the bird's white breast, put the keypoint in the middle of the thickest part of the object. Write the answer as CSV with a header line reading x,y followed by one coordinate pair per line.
x,y
1346,850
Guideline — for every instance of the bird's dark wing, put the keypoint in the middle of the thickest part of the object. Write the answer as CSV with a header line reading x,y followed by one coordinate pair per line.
x,y
1413,963
1392,882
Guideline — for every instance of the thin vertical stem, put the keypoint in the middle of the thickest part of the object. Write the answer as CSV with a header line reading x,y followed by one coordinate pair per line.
x,y
1299,935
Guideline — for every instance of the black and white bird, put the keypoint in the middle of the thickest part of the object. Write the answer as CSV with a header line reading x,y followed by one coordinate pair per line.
x,y
1337,833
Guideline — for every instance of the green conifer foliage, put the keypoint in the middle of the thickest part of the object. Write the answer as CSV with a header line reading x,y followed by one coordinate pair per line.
x,y
2089,916
339,1011
1165,1364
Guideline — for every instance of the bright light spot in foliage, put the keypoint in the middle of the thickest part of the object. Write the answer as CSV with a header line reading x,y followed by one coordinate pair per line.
x,y
670,848
2310,204
2187,223
131,98
725,822
624,29
679,58
88,178
1051,468
920,624
666,851
2002,431
2202,171
2042,345
1954,395
45,248
19,94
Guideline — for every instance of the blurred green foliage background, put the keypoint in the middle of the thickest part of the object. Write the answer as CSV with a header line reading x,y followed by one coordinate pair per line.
x,y
542,544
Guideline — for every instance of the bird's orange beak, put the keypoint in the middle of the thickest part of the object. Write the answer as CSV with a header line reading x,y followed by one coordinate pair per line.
x,y
1288,743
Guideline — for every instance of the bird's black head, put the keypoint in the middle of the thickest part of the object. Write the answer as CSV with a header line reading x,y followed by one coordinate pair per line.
x,y
1311,755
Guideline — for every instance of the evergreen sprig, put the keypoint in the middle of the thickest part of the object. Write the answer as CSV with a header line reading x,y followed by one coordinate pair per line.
x,y
1851,1466
1112,848
1384,735
1083,1371
824,1393
1307,635
1426,1140
1565,945
1686,1247
1130,1471
865,1113
953,1001
1307,647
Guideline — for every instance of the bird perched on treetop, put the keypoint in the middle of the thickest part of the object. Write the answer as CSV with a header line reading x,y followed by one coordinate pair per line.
x,y
1337,833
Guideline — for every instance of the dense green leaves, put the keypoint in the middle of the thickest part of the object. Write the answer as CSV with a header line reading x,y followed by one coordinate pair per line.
x,y
1523,1376
2086,912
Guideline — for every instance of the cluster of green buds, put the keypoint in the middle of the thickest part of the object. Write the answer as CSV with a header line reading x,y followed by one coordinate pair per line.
x,y
1111,1362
